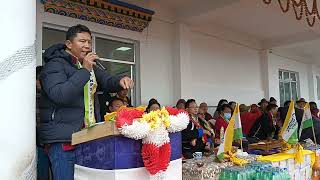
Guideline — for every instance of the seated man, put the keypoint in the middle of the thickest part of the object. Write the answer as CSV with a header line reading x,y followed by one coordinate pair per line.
x,y
196,137
265,127
204,107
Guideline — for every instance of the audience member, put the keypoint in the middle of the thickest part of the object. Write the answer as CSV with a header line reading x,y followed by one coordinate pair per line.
x,y
248,118
153,105
223,119
203,106
181,104
265,127
216,114
123,94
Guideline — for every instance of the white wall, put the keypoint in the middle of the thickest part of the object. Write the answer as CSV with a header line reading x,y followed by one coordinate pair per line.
x,y
276,62
156,59
222,69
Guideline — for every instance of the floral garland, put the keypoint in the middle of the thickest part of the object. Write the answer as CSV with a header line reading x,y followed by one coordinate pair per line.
x,y
153,128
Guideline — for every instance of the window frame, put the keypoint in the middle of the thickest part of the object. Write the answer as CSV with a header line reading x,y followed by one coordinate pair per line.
x,y
290,81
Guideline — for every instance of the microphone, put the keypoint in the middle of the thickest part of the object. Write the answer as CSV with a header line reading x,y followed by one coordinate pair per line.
x,y
99,65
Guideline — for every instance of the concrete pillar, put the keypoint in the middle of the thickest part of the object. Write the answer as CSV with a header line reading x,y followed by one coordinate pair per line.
x,y
17,90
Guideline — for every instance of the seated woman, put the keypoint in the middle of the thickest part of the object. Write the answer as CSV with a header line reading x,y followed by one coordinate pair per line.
x,y
181,104
223,118
266,126
115,104
216,114
314,110
195,138
248,118
153,105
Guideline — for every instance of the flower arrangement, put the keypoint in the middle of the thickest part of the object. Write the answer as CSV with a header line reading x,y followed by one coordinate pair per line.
x,y
153,128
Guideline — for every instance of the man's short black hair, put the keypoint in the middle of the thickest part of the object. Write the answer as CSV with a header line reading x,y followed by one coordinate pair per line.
x,y
271,106
189,101
72,31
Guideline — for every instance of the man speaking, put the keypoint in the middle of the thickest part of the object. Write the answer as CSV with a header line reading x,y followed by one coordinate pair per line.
x,y
68,101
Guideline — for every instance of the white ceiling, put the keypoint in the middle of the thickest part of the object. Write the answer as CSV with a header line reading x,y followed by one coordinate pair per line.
x,y
266,23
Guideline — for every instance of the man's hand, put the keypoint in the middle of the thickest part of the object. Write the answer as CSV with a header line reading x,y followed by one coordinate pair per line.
x,y
88,61
126,83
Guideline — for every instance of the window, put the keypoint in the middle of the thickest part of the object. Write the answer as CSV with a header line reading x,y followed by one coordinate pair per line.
x,y
318,87
288,85
116,55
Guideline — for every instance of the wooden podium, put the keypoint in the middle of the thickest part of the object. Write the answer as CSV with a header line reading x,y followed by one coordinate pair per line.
x,y
98,131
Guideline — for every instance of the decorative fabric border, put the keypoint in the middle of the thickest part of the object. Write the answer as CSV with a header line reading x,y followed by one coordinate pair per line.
x,y
111,13
21,58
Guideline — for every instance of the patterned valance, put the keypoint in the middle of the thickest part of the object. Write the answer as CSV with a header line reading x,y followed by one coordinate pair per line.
x,y
108,12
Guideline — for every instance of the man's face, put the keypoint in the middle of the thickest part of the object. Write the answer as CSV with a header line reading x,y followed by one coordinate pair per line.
x,y
116,105
204,107
192,109
301,105
274,111
80,45
264,105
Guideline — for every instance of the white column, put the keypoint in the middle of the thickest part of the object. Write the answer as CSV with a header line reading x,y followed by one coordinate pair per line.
x,y
182,62
265,72
17,90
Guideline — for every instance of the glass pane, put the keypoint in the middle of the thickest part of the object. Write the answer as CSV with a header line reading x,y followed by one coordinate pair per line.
x,y
281,93
51,37
280,75
285,75
294,91
293,77
287,94
118,69
111,49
